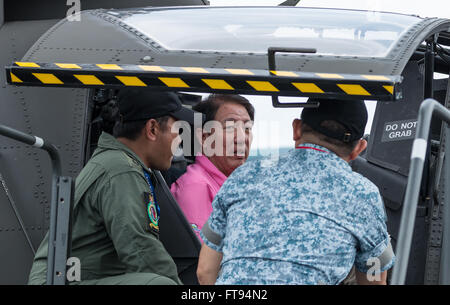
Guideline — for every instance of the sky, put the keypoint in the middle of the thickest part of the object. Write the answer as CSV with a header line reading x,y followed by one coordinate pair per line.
x,y
273,127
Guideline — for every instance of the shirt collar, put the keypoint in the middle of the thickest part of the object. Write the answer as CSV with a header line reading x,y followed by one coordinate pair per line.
x,y
108,142
211,169
318,149
314,147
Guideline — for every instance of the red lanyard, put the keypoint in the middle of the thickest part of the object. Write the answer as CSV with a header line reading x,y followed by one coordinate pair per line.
x,y
307,147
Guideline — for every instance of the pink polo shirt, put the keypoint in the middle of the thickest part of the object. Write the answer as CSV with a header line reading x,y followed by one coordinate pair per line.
x,y
195,191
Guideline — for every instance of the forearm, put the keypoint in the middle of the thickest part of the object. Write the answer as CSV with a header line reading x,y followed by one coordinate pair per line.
x,y
208,265
207,276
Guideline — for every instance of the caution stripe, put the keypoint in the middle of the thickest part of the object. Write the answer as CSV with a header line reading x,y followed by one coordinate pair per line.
x,y
330,75
218,84
390,89
308,88
354,89
151,68
132,81
14,78
284,73
109,67
88,79
68,66
174,82
202,70
240,71
264,86
376,77
27,64
195,70
200,79
48,78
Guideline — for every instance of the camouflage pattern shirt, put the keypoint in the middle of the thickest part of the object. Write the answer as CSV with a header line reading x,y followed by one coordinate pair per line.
x,y
305,218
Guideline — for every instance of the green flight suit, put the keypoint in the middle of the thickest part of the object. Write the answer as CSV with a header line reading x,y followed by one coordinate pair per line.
x,y
111,234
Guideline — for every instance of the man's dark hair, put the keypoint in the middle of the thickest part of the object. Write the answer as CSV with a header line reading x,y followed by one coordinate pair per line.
x,y
211,105
339,147
132,130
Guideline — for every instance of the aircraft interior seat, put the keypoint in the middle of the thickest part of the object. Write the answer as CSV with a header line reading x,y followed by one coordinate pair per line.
x,y
176,234
387,159
176,170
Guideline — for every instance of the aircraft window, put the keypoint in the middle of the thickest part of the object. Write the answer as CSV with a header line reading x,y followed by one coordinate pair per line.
x,y
255,29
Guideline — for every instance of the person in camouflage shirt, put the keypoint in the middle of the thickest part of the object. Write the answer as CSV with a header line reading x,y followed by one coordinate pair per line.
x,y
305,218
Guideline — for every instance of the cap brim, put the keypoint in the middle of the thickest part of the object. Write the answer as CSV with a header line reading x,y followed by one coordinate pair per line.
x,y
184,114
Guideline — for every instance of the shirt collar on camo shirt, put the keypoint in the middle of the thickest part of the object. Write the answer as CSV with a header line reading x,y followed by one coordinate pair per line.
x,y
322,150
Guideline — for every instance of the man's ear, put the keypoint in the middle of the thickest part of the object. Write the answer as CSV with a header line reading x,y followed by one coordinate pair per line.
x,y
151,129
362,144
296,129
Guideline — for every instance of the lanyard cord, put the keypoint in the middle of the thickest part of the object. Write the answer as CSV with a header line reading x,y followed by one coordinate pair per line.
x,y
152,190
307,147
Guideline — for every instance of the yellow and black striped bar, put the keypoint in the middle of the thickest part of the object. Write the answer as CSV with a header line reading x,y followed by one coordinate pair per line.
x,y
196,79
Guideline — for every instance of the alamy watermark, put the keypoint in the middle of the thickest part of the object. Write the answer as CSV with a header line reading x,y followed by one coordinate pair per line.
x,y
73,273
229,138
374,273
73,13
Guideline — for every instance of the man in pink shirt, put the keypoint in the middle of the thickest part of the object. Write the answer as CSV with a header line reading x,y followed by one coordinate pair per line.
x,y
226,138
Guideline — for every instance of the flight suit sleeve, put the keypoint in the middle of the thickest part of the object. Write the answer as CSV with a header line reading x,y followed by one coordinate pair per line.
x,y
124,210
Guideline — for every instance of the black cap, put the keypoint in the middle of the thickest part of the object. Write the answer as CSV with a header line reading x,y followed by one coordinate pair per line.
x,y
350,113
143,104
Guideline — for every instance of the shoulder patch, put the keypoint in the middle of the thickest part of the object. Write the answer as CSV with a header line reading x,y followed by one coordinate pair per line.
x,y
152,212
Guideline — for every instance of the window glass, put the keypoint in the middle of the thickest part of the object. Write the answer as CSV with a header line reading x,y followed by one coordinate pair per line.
x,y
255,29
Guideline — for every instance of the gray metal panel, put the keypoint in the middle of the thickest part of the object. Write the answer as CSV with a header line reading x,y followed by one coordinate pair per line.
x,y
2,17
427,109
392,187
393,64
22,167
57,9
436,214
89,39
444,196
58,115
16,259
98,32
106,43
26,170
417,254
306,63
407,47
395,155
444,275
